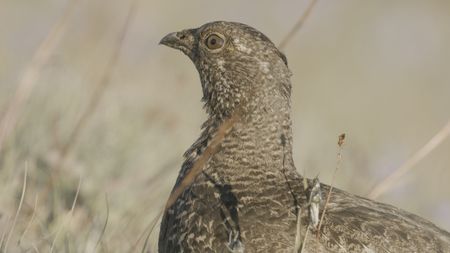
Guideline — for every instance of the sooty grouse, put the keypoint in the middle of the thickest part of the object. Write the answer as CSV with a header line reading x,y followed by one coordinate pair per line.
x,y
249,194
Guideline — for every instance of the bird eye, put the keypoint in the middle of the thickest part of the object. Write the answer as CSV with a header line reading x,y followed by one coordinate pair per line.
x,y
213,41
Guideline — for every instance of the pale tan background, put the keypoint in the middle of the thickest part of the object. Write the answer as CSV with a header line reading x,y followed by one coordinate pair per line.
x,y
376,70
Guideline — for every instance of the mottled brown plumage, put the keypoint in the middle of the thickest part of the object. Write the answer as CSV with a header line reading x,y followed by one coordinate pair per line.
x,y
249,195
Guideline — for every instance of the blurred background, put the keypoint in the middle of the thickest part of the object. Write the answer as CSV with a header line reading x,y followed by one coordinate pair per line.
x,y
100,139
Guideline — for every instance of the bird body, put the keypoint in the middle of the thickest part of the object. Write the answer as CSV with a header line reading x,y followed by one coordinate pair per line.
x,y
249,196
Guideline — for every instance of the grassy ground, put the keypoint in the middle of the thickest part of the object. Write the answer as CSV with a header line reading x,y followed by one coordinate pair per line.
x,y
99,161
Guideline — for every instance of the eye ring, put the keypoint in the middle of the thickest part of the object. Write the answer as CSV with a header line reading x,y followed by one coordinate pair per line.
x,y
214,41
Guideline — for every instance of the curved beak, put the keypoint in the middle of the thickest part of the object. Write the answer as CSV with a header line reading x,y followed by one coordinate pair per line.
x,y
183,41
170,40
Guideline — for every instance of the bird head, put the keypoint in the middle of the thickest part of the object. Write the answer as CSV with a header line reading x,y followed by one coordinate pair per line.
x,y
238,65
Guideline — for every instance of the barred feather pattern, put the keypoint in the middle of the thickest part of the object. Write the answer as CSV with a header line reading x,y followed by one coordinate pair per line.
x,y
248,195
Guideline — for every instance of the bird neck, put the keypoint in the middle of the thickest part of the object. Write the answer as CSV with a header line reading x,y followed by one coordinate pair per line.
x,y
260,142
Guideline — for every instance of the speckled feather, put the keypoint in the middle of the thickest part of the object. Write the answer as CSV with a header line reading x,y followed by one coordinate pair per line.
x,y
247,197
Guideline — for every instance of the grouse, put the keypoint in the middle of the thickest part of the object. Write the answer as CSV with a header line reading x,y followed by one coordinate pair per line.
x,y
249,196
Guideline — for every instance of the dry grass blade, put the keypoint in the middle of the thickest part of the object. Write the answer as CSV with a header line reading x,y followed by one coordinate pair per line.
x,y
298,233
104,226
338,163
4,233
30,222
32,72
297,25
387,183
304,239
150,227
197,168
100,88
35,249
22,196
69,218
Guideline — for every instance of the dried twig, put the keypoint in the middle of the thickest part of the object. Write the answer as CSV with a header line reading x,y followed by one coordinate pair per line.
x,y
22,197
338,163
100,87
387,183
297,25
198,165
32,72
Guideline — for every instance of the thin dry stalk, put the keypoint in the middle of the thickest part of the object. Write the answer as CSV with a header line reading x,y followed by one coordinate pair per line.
x,y
30,222
22,197
197,168
32,72
390,181
35,248
338,163
297,25
120,229
100,87
69,216
150,227
304,239
4,232
153,225
104,226
298,233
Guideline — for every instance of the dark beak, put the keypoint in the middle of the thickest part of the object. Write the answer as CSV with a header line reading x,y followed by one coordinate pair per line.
x,y
183,41
170,40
